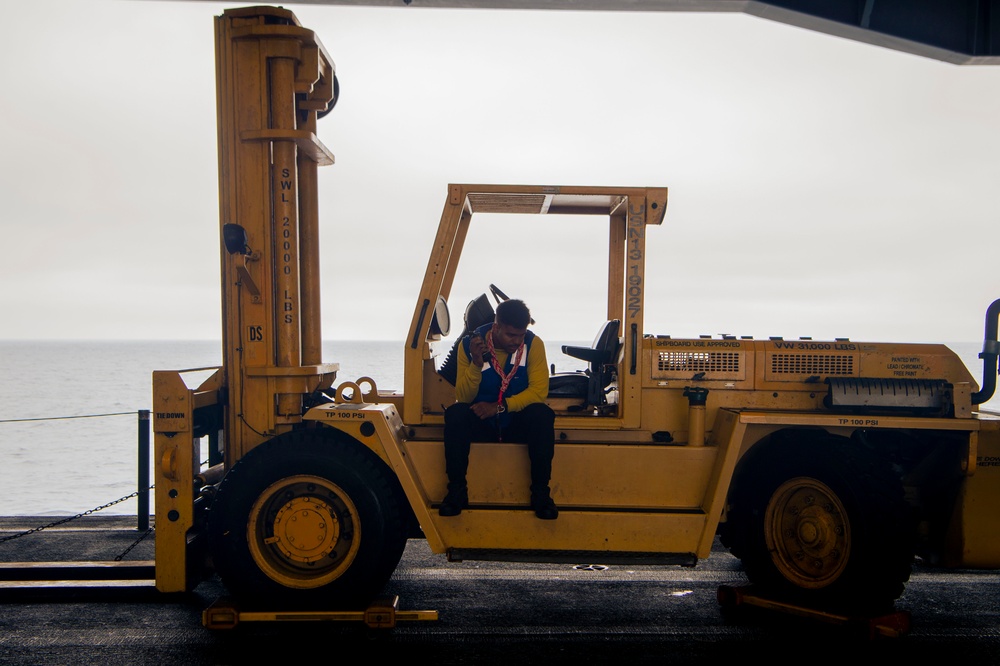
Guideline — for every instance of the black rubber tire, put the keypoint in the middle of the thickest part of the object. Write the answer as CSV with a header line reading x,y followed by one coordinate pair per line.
x,y
348,501
821,521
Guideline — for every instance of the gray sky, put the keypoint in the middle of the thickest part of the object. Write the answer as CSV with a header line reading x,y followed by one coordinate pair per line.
x,y
818,186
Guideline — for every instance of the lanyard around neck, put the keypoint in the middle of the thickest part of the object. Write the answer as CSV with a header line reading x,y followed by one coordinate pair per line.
x,y
504,377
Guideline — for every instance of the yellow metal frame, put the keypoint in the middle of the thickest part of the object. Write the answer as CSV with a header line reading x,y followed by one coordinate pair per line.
x,y
629,211
620,488
176,463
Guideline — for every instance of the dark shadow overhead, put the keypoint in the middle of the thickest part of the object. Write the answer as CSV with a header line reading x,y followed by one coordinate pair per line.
x,y
955,31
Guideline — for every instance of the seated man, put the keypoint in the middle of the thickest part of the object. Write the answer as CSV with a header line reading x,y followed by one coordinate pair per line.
x,y
501,386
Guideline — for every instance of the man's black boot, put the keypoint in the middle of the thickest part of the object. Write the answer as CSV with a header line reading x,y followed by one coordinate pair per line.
x,y
456,500
543,506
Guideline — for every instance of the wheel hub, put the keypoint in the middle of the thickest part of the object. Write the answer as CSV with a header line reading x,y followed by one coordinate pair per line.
x,y
807,532
302,532
305,529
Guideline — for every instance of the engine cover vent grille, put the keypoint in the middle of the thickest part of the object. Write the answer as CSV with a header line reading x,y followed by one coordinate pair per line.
x,y
686,364
812,364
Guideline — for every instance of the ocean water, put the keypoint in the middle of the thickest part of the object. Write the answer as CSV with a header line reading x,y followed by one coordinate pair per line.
x,y
68,411
63,466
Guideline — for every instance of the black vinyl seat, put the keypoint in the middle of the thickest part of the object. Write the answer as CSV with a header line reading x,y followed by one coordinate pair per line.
x,y
602,355
477,312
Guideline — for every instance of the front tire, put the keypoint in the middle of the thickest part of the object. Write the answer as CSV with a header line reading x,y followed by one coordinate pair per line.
x,y
821,521
308,518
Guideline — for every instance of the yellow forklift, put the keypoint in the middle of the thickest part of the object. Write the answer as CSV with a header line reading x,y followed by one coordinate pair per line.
x,y
825,466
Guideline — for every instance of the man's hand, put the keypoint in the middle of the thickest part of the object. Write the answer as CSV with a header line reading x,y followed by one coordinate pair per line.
x,y
477,347
484,410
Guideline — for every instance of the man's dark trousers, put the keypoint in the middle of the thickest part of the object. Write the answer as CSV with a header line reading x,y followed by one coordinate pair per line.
x,y
534,425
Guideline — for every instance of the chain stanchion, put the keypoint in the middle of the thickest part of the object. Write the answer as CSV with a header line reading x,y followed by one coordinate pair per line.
x,y
143,470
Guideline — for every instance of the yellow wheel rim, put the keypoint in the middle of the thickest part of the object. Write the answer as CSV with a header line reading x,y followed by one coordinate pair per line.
x,y
807,532
303,531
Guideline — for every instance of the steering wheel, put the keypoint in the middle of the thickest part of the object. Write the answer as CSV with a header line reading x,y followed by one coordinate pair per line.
x,y
498,295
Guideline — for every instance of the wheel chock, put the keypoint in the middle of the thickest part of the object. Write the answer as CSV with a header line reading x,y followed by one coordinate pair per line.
x,y
891,625
382,613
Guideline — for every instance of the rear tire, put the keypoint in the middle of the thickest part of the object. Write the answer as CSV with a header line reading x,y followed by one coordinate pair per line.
x,y
821,521
308,519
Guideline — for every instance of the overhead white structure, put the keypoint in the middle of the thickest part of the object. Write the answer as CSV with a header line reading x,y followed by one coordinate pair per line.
x,y
955,31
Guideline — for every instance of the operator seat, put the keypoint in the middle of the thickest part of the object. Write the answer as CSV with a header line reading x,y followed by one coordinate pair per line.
x,y
478,312
591,383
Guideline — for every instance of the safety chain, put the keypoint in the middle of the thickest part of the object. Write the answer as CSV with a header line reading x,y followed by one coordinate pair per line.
x,y
63,418
66,520
87,513
63,521
145,534
134,544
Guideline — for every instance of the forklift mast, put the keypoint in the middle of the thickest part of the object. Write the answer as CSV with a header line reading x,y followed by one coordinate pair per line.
x,y
273,79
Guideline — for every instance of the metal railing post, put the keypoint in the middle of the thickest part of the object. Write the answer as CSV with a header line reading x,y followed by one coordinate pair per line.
x,y
143,466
